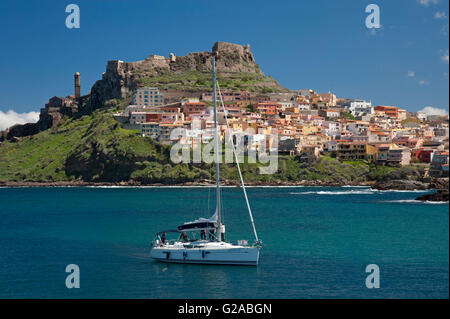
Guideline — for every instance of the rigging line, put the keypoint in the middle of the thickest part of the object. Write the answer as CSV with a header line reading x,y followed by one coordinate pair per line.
x,y
209,193
237,163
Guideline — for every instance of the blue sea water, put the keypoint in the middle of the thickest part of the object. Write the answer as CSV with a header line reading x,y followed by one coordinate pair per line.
x,y
317,243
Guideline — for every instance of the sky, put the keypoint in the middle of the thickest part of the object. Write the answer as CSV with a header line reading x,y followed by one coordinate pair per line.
x,y
322,45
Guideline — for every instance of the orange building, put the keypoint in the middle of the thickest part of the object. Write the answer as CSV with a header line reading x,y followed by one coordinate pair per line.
x,y
391,111
191,108
268,108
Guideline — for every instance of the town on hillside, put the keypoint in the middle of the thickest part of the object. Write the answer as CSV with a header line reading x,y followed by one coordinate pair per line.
x,y
308,124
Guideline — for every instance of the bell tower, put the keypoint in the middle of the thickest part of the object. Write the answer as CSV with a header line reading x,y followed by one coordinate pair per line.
x,y
77,85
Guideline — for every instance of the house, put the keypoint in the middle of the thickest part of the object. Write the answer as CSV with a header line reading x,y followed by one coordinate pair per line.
x,y
147,96
398,155
150,129
422,155
329,113
138,117
382,153
331,128
328,98
402,115
389,111
360,108
379,137
194,108
349,151
346,150
371,153
268,108
309,129
165,129
439,164
358,127
422,116
309,153
289,146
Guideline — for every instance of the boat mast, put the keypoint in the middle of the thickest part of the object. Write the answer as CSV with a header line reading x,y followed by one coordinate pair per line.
x,y
216,150
238,167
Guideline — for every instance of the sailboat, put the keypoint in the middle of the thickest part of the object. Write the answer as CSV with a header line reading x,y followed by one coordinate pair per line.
x,y
211,247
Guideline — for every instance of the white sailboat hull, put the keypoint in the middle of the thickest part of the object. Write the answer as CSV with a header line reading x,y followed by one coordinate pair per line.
x,y
208,253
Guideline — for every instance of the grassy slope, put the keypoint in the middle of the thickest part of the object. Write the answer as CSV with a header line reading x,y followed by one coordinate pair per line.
x,y
95,148
201,81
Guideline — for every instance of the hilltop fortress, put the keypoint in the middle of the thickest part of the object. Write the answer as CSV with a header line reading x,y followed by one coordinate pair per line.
x,y
121,78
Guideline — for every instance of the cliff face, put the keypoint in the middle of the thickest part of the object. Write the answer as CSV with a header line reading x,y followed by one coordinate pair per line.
x,y
50,116
232,61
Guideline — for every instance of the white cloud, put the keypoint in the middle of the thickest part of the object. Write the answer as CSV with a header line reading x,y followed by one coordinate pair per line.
x,y
426,3
411,74
429,110
422,82
10,118
444,56
440,15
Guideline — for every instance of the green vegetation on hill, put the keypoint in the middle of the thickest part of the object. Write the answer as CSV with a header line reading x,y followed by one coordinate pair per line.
x,y
201,81
94,148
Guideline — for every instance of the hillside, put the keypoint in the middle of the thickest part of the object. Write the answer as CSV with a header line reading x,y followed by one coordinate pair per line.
x,y
95,149
78,141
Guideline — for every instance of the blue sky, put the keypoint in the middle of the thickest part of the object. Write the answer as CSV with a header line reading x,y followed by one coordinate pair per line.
x,y
322,44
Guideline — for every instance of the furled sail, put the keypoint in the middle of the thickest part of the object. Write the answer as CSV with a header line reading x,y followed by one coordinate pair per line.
x,y
201,223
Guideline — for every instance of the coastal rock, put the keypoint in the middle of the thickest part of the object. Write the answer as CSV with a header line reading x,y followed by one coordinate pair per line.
x,y
401,185
439,183
439,196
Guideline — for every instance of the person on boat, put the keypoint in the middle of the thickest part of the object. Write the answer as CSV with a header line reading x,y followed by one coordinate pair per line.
x,y
164,238
211,234
203,234
185,236
222,232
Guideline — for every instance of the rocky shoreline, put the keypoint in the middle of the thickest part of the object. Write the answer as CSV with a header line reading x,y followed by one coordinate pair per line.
x,y
200,183
437,184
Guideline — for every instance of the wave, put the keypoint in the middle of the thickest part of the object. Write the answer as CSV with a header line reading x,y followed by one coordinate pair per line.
x,y
355,186
402,191
349,192
413,201
358,191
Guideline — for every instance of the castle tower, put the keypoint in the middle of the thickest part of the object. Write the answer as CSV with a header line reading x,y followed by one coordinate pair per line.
x,y
77,85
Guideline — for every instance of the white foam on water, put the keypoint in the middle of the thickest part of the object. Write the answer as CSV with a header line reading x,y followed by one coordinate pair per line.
x,y
349,192
403,191
413,201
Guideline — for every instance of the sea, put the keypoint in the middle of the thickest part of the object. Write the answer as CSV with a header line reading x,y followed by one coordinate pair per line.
x,y
318,242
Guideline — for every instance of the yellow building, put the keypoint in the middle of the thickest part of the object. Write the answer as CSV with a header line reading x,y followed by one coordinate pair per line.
x,y
309,129
371,153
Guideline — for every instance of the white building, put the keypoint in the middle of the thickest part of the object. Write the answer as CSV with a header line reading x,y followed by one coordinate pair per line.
x,y
303,107
360,108
422,116
138,117
332,128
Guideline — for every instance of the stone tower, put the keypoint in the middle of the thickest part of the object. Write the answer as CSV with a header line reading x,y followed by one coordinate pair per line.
x,y
77,85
